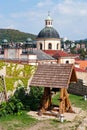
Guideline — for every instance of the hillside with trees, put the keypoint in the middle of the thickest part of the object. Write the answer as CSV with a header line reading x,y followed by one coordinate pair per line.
x,y
15,35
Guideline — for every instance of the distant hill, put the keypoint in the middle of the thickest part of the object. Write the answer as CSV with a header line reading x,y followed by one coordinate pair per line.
x,y
15,35
81,40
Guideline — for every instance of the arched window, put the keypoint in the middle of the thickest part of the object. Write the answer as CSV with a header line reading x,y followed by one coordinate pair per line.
x,y
40,46
67,62
57,46
49,46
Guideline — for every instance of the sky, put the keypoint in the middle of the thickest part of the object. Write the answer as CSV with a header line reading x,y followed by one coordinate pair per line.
x,y
69,16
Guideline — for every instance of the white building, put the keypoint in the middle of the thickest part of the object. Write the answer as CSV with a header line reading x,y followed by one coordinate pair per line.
x,y
48,38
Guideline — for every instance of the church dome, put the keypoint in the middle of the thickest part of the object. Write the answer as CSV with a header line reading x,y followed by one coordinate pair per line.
x,y
48,32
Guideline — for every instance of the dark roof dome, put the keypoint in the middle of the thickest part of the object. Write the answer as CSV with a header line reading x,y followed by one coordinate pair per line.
x,y
48,32
28,40
4,41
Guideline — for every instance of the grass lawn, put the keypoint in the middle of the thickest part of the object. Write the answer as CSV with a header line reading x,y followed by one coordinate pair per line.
x,y
17,122
77,101
24,121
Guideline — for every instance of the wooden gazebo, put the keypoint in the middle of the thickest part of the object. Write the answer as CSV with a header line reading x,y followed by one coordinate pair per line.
x,y
54,77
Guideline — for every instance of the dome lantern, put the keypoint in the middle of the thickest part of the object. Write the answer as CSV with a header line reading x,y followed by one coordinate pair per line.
x,y
5,43
48,21
29,45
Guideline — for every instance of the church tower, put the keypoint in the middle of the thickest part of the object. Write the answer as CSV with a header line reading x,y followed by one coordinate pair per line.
x,y
48,38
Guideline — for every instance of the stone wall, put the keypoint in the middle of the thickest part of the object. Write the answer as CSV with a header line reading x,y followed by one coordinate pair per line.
x,y
78,88
82,76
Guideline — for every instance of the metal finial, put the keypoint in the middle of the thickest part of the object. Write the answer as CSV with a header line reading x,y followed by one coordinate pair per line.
x,y
48,13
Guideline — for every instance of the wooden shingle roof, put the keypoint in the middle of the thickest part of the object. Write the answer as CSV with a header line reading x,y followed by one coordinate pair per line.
x,y
54,75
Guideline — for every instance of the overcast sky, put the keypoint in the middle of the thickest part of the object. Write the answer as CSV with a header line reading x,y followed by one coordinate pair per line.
x,y
69,16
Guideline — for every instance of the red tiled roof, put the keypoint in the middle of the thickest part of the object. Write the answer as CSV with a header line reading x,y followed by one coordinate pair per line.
x,y
80,70
82,63
58,53
54,75
50,52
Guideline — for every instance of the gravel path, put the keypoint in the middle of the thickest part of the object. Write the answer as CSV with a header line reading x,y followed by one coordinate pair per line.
x,y
77,121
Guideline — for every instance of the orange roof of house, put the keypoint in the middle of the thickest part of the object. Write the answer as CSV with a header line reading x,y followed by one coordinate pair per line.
x,y
80,70
82,64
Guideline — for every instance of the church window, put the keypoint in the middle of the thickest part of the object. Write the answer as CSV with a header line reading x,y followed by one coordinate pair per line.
x,y
40,46
49,46
57,46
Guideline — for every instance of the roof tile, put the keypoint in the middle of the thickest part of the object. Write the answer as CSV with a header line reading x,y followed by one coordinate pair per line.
x,y
53,75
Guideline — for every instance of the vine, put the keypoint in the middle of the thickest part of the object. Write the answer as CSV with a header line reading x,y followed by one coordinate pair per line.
x,y
15,72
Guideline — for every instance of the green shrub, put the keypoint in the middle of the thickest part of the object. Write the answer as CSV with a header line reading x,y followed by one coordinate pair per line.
x,y
32,100
22,101
35,96
11,107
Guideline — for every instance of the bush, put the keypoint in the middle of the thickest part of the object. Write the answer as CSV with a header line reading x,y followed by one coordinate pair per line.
x,y
35,96
32,100
11,107
22,101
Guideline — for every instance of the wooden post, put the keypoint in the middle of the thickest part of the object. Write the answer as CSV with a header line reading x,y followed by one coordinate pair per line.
x,y
46,100
65,104
61,108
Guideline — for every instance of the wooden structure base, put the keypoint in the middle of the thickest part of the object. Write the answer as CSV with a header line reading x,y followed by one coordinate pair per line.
x,y
64,105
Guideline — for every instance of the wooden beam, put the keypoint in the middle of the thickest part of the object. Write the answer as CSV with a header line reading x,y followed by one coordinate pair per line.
x,y
61,105
67,102
65,105
46,100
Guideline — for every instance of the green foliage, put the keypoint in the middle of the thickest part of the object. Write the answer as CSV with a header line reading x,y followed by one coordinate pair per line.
x,y
28,70
14,73
35,96
31,100
22,100
21,94
82,53
11,107
15,35
72,50
55,98
1,64
14,70
76,100
11,80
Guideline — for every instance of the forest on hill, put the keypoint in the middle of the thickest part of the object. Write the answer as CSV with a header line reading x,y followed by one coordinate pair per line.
x,y
15,35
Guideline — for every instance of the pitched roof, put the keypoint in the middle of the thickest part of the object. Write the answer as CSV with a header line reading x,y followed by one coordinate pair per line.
x,y
54,75
58,53
82,64
50,52
42,55
80,70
